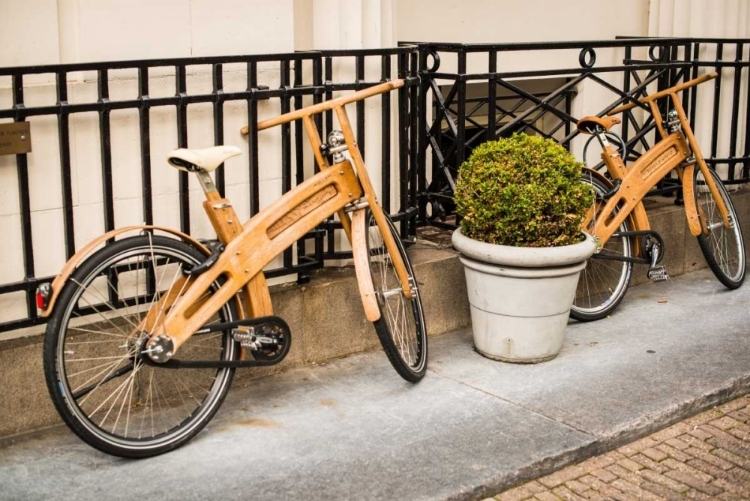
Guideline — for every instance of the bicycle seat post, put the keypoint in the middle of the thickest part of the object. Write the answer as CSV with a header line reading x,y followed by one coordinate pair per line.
x,y
601,135
207,183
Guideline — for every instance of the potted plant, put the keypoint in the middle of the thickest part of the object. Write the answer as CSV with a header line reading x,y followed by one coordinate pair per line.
x,y
520,239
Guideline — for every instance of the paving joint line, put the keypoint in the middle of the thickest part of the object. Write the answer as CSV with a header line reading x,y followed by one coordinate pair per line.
x,y
515,404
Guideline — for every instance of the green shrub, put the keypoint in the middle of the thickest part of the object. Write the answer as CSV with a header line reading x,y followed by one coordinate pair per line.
x,y
522,191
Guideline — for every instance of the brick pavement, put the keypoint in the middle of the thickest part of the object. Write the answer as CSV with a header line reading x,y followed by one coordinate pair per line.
x,y
704,457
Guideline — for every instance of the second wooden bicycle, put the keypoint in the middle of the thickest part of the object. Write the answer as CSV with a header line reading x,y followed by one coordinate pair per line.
x,y
145,332
618,220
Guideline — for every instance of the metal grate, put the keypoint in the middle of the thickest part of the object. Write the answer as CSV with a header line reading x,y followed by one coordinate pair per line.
x,y
454,130
435,116
314,74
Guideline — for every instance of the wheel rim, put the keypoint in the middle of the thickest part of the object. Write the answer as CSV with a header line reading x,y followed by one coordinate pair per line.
x,y
401,315
724,244
603,280
145,406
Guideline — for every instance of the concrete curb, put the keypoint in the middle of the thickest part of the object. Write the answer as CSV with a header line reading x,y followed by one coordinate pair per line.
x,y
650,425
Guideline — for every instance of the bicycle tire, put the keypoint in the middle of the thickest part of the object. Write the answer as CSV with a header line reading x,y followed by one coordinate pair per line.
x,y
723,248
604,282
401,327
149,410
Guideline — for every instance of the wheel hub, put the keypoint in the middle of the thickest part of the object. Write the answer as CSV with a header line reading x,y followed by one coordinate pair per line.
x,y
159,349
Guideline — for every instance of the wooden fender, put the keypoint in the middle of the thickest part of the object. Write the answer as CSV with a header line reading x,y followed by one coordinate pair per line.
x,y
362,265
89,248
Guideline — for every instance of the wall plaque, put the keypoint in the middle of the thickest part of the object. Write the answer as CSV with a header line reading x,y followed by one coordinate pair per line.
x,y
15,138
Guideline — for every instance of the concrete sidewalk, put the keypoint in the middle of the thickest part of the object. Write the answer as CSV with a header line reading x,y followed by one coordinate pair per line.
x,y
352,429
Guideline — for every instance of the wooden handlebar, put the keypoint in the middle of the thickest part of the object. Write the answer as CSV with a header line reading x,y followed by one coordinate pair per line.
x,y
327,105
665,92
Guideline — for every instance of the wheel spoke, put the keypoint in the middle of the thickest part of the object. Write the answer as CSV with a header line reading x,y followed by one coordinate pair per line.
x,y
78,393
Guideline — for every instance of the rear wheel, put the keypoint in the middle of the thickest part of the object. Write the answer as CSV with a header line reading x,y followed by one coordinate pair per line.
x,y
401,327
722,247
604,281
93,363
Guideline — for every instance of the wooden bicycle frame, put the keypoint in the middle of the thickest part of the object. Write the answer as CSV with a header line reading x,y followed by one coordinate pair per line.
x,y
672,152
252,246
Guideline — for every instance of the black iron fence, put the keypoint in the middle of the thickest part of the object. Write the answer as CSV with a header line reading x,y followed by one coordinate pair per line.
x,y
457,97
472,93
310,76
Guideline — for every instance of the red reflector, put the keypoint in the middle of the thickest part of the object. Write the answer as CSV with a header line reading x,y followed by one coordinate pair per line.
x,y
42,296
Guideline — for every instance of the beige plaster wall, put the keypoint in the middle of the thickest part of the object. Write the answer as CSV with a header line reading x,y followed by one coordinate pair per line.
x,y
493,21
35,32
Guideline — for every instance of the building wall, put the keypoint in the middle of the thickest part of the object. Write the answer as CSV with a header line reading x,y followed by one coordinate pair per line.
x,y
708,19
69,31
36,32
514,21
509,21
492,21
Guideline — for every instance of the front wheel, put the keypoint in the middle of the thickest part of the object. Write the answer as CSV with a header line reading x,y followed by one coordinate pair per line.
x,y
604,281
401,327
93,361
722,247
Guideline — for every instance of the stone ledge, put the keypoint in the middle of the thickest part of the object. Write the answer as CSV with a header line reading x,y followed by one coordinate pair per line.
x,y
306,309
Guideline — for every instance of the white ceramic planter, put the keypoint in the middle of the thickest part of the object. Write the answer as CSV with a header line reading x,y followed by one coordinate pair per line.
x,y
520,297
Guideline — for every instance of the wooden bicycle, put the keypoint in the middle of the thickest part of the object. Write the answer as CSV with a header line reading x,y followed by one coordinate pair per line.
x,y
145,333
618,220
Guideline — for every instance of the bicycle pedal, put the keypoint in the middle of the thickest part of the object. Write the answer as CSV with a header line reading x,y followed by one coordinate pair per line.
x,y
658,273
